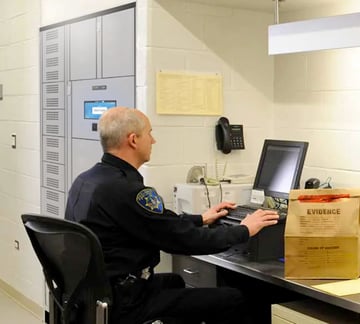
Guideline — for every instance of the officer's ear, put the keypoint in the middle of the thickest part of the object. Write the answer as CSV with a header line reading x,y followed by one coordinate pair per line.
x,y
132,140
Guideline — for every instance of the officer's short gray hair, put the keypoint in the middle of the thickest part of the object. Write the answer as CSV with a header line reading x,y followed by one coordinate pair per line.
x,y
116,124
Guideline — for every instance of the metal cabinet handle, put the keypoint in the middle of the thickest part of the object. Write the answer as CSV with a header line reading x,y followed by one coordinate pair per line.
x,y
190,272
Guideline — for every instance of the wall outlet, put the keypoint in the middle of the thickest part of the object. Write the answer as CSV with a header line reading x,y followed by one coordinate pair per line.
x,y
13,140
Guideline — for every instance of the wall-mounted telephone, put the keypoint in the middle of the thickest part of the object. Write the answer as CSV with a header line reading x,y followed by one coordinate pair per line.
x,y
229,137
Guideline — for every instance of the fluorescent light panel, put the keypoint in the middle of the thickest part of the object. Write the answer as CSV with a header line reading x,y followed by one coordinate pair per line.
x,y
315,34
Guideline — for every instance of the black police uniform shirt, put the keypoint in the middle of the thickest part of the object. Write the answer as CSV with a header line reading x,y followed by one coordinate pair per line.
x,y
132,222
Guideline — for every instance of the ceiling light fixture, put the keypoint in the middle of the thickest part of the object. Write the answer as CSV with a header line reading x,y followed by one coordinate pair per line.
x,y
315,34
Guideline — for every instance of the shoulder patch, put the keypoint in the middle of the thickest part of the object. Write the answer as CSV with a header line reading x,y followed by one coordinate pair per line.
x,y
150,200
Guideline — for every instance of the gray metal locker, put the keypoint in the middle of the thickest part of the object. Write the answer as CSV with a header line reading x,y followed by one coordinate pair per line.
x,y
83,45
85,154
73,58
52,202
53,149
54,176
88,66
53,95
118,32
53,121
53,55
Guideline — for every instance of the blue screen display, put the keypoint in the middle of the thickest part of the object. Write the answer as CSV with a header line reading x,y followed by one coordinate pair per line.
x,y
94,109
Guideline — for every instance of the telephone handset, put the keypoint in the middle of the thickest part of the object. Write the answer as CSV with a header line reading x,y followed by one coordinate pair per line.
x,y
229,137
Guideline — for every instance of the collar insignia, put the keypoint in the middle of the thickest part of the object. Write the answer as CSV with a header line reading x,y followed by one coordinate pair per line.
x,y
150,200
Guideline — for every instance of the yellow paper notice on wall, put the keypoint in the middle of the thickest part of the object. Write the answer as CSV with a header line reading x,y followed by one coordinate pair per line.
x,y
180,93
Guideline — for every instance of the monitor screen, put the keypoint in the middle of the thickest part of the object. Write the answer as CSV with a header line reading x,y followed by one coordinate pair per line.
x,y
280,167
94,109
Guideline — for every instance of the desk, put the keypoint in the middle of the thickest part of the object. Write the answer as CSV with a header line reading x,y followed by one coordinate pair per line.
x,y
272,272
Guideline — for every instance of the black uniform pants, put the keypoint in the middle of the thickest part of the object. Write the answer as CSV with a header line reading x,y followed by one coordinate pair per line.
x,y
165,295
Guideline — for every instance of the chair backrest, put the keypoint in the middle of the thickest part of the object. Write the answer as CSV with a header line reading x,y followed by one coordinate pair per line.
x,y
73,264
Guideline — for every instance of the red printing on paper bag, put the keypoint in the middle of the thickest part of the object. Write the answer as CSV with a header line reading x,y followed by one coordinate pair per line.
x,y
322,198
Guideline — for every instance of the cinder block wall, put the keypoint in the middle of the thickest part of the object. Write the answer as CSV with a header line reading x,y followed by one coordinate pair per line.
x,y
316,98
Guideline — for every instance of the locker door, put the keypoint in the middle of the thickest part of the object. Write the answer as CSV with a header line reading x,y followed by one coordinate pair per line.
x,y
53,55
85,153
118,43
83,50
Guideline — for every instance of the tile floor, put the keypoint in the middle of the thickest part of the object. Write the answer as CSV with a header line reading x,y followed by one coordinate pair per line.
x,y
12,313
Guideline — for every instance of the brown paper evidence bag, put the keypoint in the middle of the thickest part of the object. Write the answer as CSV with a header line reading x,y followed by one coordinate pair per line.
x,y
322,234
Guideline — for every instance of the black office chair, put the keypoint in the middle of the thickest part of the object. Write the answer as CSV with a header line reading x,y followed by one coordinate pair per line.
x,y
73,265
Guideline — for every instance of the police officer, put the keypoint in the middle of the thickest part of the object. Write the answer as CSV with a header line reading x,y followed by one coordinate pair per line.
x,y
133,225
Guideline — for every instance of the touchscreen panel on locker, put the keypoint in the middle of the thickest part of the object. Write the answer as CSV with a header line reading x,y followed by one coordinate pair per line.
x,y
95,108
90,98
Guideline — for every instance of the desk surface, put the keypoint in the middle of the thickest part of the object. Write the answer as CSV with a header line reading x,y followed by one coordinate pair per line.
x,y
273,272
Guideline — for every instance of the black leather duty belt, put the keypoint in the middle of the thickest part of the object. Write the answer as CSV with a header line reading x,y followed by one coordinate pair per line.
x,y
144,274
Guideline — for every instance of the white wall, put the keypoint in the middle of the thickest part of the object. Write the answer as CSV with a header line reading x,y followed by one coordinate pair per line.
x,y
184,36
54,11
317,97
20,167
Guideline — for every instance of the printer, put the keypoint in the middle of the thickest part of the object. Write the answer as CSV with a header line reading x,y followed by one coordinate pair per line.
x,y
196,198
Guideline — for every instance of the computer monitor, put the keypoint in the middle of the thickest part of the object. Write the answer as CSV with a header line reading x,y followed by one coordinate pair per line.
x,y
280,167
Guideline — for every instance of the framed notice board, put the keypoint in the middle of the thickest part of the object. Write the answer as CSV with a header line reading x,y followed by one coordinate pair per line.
x,y
181,93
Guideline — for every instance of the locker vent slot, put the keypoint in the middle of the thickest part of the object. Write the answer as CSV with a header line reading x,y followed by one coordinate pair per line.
x,y
51,209
52,129
52,183
52,195
52,102
51,62
52,142
52,156
52,48
52,88
53,169
52,34
52,115
52,76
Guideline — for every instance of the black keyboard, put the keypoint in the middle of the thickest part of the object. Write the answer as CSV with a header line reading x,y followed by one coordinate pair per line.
x,y
240,212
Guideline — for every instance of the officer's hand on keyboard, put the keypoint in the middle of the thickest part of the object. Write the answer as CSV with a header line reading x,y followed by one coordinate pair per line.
x,y
260,219
216,212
